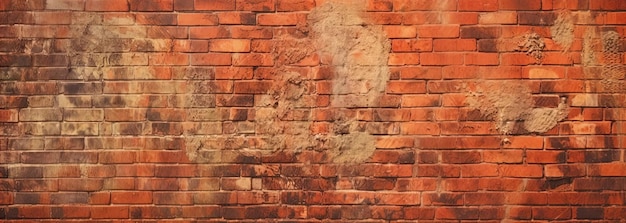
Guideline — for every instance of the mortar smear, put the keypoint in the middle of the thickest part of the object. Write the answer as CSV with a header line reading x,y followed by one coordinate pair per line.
x,y
613,69
563,31
510,105
358,51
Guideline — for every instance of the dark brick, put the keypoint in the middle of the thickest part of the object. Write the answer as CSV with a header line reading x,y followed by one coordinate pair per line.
x,y
50,60
373,184
28,198
12,60
590,213
536,18
69,198
603,156
479,32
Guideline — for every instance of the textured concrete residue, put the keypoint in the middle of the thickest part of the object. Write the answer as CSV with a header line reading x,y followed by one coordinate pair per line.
x,y
563,31
358,53
613,70
510,105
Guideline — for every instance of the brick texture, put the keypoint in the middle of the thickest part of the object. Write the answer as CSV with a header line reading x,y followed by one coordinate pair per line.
x,y
241,111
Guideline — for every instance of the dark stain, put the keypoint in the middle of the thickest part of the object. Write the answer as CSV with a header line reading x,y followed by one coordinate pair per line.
x,y
13,60
296,197
609,101
248,159
561,157
602,156
3,214
248,18
136,213
4,172
553,183
239,114
115,101
560,142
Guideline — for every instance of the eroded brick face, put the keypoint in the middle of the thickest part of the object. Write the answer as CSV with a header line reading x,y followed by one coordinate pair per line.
x,y
311,111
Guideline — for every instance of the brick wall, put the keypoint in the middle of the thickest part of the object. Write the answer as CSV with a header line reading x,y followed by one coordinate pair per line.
x,y
313,110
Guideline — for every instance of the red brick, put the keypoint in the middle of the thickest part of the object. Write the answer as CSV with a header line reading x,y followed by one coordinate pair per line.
x,y
257,6
441,59
498,18
210,32
294,5
374,5
482,59
214,59
438,31
520,4
236,18
478,5
406,87
420,18
524,171
214,5
462,18
282,19
106,212
196,19
427,5
107,5
420,100
399,32
253,59
453,45
419,128
229,45
151,5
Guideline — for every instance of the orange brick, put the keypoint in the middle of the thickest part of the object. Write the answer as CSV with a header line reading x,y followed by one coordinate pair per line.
x,y
462,18
406,87
419,128
478,5
452,45
256,6
399,32
404,45
441,59
520,4
229,45
420,101
403,59
379,5
211,59
295,5
107,5
253,59
215,32
517,59
482,59
419,73
282,19
236,18
151,5
426,5
438,31
196,19
498,18
420,18
214,5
